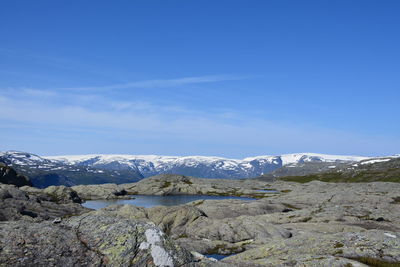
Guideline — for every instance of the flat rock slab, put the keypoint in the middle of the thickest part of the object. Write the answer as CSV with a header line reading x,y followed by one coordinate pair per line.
x,y
88,240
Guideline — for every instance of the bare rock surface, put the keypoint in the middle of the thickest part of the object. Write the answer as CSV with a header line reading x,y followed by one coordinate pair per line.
x,y
61,194
88,240
168,184
45,227
25,243
311,224
16,204
324,249
101,191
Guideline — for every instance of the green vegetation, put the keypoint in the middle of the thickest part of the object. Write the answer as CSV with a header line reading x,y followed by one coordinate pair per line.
x,y
345,177
388,171
339,251
396,200
300,179
306,219
165,184
183,236
290,206
338,245
286,191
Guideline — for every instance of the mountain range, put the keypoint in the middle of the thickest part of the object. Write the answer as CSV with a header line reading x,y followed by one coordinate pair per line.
x,y
100,168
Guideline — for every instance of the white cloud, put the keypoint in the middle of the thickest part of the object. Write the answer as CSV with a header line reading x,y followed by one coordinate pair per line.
x,y
129,121
161,83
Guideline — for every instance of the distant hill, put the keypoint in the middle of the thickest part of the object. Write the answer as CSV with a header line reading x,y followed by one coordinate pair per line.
x,y
301,169
385,169
44,172
97,169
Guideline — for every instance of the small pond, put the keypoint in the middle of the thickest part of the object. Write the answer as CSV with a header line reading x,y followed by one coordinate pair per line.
x,y
148,201
217,256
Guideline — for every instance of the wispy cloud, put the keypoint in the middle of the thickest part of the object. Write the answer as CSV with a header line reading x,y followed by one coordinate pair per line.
x,y
157,83
127,123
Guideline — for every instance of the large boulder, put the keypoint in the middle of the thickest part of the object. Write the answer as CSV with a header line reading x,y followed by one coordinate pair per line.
x,y
101,191
60,194
16,204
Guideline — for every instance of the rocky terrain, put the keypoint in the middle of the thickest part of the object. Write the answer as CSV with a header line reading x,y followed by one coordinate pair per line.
x,y
48,227
168,184
297,224
311,224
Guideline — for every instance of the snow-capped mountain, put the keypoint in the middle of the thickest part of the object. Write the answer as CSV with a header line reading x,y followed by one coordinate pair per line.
x,y
199,166
130,168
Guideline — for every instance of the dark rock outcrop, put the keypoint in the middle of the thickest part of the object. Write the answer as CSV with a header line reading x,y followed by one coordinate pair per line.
x,y
9,176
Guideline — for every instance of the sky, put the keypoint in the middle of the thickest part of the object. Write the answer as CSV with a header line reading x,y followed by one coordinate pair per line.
x,y
222,78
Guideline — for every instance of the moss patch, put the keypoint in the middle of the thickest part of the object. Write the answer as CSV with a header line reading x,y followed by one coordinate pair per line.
x,y
165,184
290,206
183,236
306,219
396,200
338,245
286,191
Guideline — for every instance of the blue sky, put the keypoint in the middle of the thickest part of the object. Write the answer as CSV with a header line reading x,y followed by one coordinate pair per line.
x,y
226,78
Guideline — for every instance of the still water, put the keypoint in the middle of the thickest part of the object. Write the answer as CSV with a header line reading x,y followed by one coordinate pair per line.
x,y
147,201
218,256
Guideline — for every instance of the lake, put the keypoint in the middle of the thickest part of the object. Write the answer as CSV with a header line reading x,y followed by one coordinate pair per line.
x,y
148,201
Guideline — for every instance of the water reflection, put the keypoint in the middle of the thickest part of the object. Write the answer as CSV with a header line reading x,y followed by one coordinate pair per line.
x,y
218,256
147,201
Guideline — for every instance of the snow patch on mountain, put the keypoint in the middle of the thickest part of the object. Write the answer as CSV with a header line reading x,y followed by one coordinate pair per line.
x,y
198,166
203,166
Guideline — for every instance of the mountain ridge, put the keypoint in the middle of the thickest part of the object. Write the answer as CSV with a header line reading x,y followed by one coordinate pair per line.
x,y
217,167
124,168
